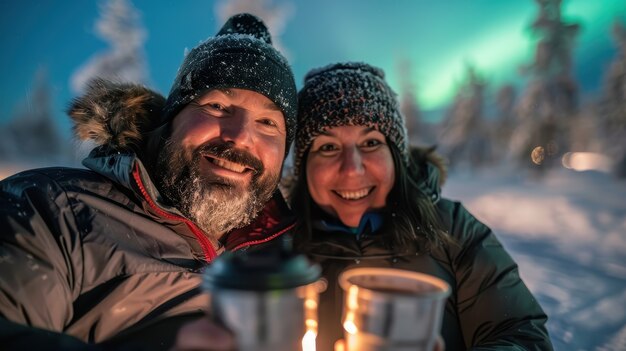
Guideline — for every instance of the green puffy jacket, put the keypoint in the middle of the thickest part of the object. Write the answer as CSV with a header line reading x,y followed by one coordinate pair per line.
x,y
490,307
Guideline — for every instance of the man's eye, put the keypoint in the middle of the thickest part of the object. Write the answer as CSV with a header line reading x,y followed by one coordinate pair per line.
x,y
215,109
268,122
216,106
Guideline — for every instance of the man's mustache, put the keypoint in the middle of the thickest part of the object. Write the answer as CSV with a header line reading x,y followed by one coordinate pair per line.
x,y
228,152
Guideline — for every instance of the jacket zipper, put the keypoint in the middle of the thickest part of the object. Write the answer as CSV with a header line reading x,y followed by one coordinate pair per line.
x,y
207,247
264,240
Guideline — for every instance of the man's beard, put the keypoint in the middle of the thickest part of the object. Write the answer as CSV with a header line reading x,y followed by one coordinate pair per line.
x,y
215,204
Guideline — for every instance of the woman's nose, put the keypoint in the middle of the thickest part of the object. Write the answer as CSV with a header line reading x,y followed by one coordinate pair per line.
x,y
352,161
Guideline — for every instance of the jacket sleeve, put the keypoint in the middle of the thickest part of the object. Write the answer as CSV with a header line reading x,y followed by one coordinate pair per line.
x,y
38,277
495,308
15,336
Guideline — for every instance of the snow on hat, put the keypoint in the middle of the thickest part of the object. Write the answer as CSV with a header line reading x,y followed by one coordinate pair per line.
x,y
240,56
347,94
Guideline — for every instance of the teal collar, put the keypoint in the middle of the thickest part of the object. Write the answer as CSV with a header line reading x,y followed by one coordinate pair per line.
x,y
370,223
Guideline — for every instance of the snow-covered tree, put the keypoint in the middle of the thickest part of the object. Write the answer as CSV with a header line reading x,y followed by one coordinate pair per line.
x,y
612,107
504,122
32,136
409,108
464,136
120,26
549,102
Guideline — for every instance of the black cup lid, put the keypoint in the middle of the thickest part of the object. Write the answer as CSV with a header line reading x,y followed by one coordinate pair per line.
x,y
271,269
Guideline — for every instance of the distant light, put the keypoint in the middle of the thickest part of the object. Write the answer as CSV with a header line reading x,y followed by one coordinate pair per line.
x,y
538,155
586,161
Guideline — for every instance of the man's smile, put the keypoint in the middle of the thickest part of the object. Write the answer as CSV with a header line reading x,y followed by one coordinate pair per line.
x,y
231,166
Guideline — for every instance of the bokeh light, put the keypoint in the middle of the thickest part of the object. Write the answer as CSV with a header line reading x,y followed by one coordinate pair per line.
x,y
586,161
538,155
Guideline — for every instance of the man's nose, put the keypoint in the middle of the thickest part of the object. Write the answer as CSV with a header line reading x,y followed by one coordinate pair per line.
x,y
237,129
352,161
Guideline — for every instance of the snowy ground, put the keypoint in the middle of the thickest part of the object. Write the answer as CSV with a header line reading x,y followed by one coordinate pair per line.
x,y
567,232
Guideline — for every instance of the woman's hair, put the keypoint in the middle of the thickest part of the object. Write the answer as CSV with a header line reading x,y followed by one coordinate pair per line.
x,y
410,215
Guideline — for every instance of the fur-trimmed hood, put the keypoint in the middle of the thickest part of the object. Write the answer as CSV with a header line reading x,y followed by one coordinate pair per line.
x,y
428,156
432,171
116,115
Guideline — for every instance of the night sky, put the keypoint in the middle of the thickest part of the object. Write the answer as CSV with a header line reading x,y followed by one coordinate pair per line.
x,y
438,38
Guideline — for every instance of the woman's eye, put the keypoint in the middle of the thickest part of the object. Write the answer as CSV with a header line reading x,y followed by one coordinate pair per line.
x,y
372,143
327,148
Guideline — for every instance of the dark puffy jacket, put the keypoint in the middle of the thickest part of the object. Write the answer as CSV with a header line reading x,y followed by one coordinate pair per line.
x,y
490,308
92,255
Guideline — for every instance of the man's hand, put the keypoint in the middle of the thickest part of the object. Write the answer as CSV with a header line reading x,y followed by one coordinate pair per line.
x,y
204,334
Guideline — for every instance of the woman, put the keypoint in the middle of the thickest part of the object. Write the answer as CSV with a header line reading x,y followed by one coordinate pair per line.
x,y
365,199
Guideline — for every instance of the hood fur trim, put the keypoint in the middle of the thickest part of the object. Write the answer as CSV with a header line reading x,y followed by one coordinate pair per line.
x,y
423,155
116,114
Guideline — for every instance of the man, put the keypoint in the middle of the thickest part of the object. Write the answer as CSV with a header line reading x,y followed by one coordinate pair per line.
x,y
113,255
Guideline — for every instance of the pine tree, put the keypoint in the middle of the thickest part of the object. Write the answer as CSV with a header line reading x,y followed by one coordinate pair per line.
x,y
504,123
464,137
612,107
32,136
550,98
408,103
120,26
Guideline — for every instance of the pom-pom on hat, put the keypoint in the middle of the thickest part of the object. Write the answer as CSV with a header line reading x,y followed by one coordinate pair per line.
x,y
240,56
347,94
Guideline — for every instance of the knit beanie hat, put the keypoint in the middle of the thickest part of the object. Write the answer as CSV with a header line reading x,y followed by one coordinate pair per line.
x,y
347,94
240,56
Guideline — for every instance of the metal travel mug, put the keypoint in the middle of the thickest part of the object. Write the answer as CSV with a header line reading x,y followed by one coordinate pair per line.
x,y
388,309
268,299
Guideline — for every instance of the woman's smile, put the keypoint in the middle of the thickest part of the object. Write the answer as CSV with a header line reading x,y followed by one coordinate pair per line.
x,y
354,194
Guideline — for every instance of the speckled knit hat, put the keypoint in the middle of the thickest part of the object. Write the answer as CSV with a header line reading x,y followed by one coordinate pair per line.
x,y
347,94
241,56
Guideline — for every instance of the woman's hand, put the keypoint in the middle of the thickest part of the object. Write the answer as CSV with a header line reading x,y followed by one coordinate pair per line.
x,y
204,334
